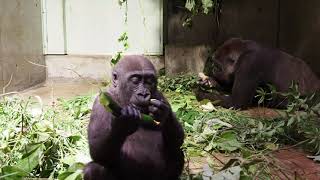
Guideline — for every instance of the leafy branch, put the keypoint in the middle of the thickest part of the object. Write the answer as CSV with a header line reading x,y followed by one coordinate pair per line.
x,y
123,39
196,7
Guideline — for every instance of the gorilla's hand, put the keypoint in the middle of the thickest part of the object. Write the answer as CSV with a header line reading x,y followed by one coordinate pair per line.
x,y
206,81
127,122
159,110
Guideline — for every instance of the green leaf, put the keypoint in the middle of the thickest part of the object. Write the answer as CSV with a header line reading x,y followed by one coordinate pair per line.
x,y
43,137
75,176
246,152
228,141
230,173
13,172
121,2
76,166
207,5
260,126
190,4
69,160
31,161
261,100
105,101
64,175
209,147
271,146
74,138
74,172
290,121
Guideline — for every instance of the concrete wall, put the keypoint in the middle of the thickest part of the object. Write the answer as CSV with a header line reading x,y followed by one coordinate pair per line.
x,y
85,68
203,30
185,58
187,48
255,20
291,25
20,42
300,30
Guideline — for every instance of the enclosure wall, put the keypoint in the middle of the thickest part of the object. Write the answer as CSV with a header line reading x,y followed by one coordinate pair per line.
x,y
20,44
291,25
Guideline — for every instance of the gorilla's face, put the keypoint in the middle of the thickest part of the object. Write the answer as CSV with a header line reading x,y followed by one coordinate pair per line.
x,y
135,81
225,60
140,85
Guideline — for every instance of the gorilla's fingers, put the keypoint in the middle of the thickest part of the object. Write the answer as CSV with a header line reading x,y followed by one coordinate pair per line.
x,y
131,111
137,114
158,103
153,109
124,111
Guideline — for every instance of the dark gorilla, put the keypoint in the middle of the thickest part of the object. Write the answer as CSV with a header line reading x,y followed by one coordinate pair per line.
x,y
244,65
125,147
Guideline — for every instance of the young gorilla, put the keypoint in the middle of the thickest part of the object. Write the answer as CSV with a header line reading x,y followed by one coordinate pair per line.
x,y
125,147
244,65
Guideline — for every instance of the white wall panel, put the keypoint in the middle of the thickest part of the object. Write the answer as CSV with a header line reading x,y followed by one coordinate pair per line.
x,y
94,26
53,26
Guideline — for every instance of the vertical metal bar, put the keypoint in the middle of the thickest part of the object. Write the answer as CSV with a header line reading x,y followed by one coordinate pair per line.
x,y
165,12
278,24
44,26
161,27
65,40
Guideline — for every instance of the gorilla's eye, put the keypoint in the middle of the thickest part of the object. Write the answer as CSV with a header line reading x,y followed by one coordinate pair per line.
x,y
150,81
230,60
135,79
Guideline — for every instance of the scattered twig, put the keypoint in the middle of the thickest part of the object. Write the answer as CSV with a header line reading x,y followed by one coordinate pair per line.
x,y
7,85
69,69
218,159
9,93
36,64
289,147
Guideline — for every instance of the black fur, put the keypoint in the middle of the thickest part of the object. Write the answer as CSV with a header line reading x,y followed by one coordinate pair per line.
x,y
245,65
124,147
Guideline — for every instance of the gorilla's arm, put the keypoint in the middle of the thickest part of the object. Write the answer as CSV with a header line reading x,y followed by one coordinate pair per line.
x,y
173,136
241,97
243,92
104,142
222,99
107,133
172,133
246,80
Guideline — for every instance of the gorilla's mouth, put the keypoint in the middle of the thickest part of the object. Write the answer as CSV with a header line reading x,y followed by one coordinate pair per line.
x,y
217,68
142,109
142,106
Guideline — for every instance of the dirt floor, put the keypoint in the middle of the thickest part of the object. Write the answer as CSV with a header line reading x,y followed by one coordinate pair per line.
x,y
49,92
292,162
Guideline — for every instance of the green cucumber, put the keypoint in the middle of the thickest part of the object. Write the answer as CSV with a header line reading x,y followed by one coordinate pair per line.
x,y
111,106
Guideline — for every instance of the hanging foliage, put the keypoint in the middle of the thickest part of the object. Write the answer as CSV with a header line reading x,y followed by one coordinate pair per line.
x,y
196,7
123,39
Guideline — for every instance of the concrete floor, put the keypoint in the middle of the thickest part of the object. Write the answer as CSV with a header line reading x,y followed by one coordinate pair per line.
x,y
50,91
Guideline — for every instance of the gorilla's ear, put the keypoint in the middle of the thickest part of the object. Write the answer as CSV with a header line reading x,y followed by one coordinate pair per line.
x,y
115,79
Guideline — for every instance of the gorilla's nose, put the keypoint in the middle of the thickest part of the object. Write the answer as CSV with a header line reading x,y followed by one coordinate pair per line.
x,y
142,99
145,96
